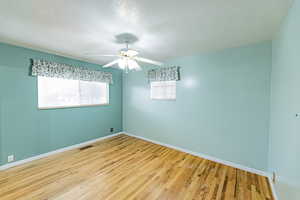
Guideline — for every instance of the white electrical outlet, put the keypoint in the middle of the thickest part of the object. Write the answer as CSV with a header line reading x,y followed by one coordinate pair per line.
x,y
10,158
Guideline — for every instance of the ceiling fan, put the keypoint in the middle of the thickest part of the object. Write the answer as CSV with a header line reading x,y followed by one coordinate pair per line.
x,y
128,60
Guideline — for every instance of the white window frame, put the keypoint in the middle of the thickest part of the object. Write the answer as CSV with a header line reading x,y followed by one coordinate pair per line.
x,y
71,106
152,86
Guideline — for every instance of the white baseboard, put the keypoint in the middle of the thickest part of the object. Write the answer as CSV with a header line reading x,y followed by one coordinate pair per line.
x,y
273,189
20,162
207,157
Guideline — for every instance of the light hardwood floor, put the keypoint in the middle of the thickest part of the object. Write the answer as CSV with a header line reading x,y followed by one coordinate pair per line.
x,y
124,167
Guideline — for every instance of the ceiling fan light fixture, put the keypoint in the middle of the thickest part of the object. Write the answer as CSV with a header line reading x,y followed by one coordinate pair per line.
x,y
132,64
128,64
122,63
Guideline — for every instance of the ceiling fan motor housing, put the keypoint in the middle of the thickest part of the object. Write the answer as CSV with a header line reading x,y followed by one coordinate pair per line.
x,y
128,52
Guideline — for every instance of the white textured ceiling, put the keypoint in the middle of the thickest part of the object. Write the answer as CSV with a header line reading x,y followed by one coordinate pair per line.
x,y
165,28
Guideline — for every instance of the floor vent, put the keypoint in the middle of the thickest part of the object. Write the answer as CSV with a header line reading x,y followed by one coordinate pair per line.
x,y
85,147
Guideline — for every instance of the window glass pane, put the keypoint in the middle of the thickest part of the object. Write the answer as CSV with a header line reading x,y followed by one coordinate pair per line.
x,y
93,93
55,93
163,90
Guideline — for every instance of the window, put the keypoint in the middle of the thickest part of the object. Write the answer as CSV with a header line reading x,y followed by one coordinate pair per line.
x,y
163,90
60,93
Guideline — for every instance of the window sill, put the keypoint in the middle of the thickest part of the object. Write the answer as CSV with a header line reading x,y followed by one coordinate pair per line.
x,y
64,107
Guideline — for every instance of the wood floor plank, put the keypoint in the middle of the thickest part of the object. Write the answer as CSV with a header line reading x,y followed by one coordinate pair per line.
x,y
128,168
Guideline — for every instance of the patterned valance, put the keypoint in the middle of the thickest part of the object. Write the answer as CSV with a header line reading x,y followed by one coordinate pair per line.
x,y
56,70
164,74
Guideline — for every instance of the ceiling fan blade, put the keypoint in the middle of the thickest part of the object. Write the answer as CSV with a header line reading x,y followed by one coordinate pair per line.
x,y
145,60
138,67
133,65
111,63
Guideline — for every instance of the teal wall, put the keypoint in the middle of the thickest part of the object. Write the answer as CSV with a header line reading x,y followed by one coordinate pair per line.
x,y
284,157
222,105
26,131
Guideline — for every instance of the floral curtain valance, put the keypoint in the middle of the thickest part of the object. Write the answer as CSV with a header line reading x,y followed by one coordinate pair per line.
x,y
164,74
56,70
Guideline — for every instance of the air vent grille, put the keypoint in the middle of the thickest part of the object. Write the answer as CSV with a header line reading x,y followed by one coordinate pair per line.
x,y
85,147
